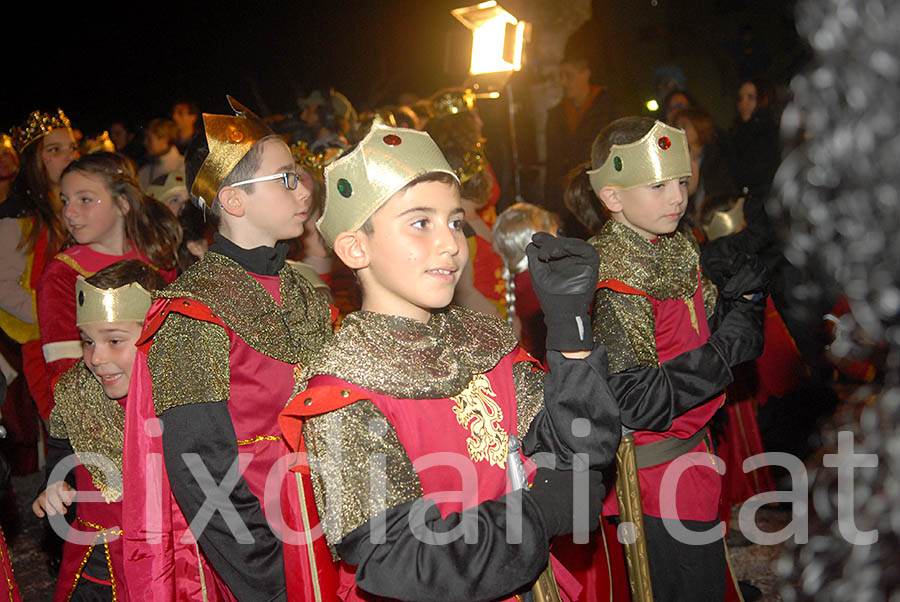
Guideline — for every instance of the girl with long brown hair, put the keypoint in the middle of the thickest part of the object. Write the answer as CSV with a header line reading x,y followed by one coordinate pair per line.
x,y
31,232
108,218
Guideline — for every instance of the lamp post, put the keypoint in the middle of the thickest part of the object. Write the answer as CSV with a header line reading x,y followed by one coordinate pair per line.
x,y
498,39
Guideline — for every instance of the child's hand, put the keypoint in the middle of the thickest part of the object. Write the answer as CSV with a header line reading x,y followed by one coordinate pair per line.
x,y
54,500
564,277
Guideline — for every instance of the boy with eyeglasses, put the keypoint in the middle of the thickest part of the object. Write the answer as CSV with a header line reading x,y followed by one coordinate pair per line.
x,y
219,357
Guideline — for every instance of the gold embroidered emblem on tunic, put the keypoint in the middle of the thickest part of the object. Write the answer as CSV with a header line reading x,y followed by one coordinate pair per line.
x,y
477,411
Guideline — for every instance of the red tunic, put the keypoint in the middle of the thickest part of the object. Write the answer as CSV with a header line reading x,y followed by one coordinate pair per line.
x,y
56,305
679,328
487,272
164,563
433,428
103,520
6,565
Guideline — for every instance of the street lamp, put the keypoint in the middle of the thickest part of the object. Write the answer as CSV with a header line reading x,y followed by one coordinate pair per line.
x,y
497,37
497,41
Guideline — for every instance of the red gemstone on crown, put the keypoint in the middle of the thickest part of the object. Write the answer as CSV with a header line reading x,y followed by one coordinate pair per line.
x,y
665,143
392,140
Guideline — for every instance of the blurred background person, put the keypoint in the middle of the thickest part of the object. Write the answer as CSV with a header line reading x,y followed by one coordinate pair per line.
x,y
159,140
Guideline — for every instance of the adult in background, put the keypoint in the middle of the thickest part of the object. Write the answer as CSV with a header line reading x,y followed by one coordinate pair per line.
x,y
585,109
754,138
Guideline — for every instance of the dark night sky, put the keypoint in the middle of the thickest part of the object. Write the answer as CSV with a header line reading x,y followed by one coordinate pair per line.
x,y
99,65
125,61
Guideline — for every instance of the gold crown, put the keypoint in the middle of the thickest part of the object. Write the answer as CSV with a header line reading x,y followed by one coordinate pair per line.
x,y
662,154
473,163
229,138
128,303
99,143
314,162
38,125
361,181
723,223
452,102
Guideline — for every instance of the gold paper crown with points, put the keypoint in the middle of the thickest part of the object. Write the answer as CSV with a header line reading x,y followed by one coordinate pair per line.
x,y
38,125
452,102
128,303
229,138
723,223
361,181
662,154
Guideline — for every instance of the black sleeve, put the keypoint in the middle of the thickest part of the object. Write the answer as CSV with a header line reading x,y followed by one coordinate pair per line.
x,y
57,450
576,388
405,568
651,398
253,571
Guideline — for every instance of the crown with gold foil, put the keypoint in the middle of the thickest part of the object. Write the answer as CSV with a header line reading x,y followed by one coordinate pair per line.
x,y
723,223
128,303
100,143
452,102
473,163
229,138
38,125
662,154
360,182
315,162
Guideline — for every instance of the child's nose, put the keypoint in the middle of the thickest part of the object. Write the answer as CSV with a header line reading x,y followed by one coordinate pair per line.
x,y
448,242
98,357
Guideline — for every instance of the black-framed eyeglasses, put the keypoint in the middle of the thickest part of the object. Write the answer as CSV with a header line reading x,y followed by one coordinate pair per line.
x,y
290,178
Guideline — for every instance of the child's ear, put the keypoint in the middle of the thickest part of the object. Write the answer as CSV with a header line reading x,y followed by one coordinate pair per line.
x,y
610,197
352,249
231,200
123,205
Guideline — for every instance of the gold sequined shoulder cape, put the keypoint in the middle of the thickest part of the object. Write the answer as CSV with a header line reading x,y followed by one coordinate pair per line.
x,y
406,359
92,422
291,332
189,358
666,268
403,359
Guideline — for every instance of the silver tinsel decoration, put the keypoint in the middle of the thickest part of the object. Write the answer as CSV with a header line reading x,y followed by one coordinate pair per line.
x,y
838,196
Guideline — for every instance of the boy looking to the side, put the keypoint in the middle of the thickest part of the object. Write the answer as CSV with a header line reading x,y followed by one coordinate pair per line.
x,y
89,418
219,357
651,312
437,392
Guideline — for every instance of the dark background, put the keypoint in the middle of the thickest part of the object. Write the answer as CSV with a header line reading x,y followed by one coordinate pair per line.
x,y
106,62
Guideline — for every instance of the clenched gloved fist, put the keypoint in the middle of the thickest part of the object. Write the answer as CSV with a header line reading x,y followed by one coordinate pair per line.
x,y
749,283
564,277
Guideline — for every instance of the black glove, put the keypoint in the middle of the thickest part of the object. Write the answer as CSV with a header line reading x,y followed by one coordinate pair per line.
x,y
552,490
751,278
739,336
564,277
